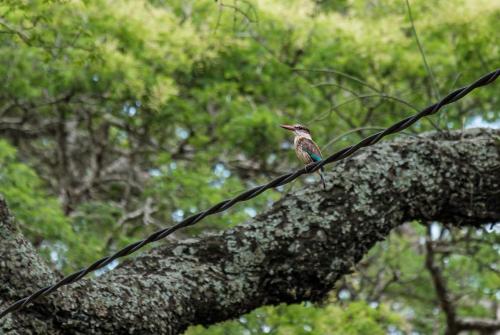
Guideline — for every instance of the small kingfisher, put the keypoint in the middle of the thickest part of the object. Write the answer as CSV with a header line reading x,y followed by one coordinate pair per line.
x,y
305,148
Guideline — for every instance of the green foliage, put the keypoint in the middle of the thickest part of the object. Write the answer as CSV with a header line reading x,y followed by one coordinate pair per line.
x,y
41,218
356,318
39,215
178,103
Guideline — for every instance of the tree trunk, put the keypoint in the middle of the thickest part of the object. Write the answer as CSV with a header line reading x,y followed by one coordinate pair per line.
x,y
295,251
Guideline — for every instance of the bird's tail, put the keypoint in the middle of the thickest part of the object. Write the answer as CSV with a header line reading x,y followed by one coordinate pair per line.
x,y
320,172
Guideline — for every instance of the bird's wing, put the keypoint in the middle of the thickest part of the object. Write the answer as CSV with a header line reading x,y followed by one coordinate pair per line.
x,y
310,148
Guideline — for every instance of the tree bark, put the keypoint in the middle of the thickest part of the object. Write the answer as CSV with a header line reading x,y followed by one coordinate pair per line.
x,y
293,252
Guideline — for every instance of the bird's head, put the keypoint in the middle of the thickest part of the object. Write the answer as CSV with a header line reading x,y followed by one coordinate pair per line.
x,y
298,129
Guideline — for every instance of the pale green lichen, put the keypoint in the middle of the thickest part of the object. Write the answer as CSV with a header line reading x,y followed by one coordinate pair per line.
x,y
321,233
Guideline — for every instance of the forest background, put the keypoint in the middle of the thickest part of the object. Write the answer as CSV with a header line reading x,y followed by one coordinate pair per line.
x,y
118,118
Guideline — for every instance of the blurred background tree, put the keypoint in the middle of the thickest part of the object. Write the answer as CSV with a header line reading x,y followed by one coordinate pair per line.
x,y
120,117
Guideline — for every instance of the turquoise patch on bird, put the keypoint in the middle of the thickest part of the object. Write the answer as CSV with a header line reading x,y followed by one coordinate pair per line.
x,y
314,156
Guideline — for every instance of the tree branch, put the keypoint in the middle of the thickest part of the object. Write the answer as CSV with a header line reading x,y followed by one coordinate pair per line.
x,y
445,300
483,325
454,324
295,251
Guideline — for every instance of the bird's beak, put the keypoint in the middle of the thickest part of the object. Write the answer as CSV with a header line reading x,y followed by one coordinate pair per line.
x,y
287,127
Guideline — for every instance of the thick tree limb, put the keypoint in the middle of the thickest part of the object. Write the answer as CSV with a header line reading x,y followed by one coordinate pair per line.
x,y
296,251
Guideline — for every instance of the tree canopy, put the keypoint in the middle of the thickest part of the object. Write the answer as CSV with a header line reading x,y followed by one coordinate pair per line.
x,y
119,118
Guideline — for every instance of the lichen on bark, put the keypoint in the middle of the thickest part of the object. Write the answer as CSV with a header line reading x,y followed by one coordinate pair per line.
x,y
295,251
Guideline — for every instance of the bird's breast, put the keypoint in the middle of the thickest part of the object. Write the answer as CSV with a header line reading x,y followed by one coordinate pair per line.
x,y
299,150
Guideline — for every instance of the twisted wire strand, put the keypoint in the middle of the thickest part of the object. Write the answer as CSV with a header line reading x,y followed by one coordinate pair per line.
x,y
252,193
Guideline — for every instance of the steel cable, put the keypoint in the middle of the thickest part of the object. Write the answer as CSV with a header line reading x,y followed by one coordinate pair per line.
x,y
252,193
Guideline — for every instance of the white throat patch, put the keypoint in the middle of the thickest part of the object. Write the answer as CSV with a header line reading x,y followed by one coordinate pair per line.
x,y
302,133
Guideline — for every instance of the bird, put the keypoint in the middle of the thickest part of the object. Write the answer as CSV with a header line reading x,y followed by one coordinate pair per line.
x,y
305,148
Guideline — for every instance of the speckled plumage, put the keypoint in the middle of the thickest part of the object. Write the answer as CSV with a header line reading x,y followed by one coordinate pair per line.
x,y
305,148
307,151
